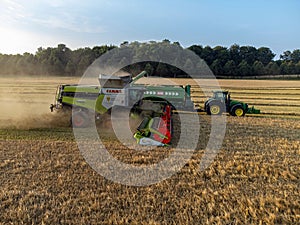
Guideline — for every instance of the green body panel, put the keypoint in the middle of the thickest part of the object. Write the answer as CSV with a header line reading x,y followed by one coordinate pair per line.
x,y
92,104
85,103
176,95
235,102
98,107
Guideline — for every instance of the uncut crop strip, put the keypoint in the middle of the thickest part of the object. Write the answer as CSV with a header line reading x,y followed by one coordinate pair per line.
x,y
253,92
271,100
259,103
248,88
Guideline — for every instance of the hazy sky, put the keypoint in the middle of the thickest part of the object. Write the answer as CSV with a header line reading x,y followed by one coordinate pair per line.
x,y
28,24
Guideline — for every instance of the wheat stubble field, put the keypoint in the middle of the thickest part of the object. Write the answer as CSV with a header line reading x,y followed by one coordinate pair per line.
x,y
255,179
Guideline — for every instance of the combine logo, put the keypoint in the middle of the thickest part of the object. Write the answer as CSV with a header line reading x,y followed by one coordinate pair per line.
x,y
114,91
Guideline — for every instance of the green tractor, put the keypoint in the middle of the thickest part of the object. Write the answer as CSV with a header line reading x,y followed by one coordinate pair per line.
x,y
221,102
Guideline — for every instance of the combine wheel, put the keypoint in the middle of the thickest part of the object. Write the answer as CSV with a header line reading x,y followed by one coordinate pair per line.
x,y
80,119
237,111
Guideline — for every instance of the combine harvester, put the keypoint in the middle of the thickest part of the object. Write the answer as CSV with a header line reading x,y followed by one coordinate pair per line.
x,y
153,102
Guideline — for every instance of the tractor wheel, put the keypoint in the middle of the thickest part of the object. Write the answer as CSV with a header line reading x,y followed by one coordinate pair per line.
x,y
215,109
237,110
79,119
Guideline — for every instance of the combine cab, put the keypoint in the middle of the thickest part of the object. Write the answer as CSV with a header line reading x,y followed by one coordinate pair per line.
x,y
221,102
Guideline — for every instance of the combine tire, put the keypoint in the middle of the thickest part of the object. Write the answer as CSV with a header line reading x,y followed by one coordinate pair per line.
x,y
215,109
237,110
80,119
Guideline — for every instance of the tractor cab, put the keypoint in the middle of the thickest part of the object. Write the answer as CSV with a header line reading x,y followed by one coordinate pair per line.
x,y
221,95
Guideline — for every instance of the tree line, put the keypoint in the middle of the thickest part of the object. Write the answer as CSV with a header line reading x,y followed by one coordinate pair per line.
x,y
60,60
233,61
248,60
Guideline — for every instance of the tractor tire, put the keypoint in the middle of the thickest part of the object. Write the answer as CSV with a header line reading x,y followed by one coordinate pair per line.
x,y
80,119
237,110
215,108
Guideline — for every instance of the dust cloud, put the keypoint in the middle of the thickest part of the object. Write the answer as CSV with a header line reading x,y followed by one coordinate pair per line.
x,y
24,103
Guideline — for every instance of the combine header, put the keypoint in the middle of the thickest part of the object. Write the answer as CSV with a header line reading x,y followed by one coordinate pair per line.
x,y
156,130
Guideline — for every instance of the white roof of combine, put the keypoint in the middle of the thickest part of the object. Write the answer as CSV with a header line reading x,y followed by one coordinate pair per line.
x,y
106,77
114,81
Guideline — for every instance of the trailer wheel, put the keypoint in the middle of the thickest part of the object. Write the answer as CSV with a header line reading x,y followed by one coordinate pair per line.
x,y
79,119
237,110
